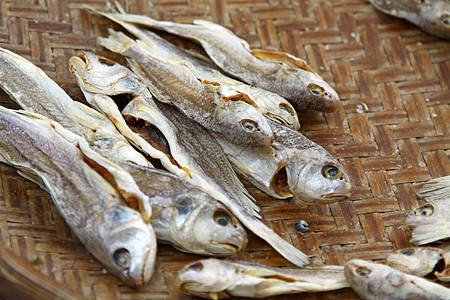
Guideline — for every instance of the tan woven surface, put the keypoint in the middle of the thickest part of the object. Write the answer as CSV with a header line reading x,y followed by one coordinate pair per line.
x,y
391,132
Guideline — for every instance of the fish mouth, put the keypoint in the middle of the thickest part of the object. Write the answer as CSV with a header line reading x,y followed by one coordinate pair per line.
x,y
227,247
334,197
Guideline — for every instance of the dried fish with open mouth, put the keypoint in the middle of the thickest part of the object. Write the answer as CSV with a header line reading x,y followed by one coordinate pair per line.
x,y
270,104
183,146
170,80
34,91
81,185
432,16
421,261
292,166
218,279
374,281
279,72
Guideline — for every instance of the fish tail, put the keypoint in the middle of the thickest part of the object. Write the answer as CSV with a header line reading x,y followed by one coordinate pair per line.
x,y
426,234
435,189
117,41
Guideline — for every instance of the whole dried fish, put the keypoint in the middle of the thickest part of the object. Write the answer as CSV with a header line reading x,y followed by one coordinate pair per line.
x,y
184,147
421,261
279,72
34,91
375,281
292,166
82,186
432,16
270,104
217,279
217,108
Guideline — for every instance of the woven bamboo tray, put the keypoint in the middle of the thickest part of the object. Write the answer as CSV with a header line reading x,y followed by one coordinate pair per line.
x,y
391,133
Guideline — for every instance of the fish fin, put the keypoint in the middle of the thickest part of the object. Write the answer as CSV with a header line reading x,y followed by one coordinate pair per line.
x,y
282,57
426,234
116,42
435,189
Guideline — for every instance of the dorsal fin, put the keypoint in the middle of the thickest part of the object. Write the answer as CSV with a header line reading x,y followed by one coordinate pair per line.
x,y
282,57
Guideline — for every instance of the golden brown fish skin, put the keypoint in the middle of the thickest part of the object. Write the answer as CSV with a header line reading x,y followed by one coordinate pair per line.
x,y
372,281
278,72
94,209
270,104
216,279
432,16
418,261
172,81
34,91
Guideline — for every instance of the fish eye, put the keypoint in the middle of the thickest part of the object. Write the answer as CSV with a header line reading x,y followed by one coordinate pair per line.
x,y
222,218
287,107
331,172
196,267
407,252
445,19
361,271
302,226
315,89
122,258
249,125
426,210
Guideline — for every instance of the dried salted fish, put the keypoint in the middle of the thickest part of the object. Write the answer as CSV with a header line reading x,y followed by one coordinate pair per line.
x,y
217,279
375,281
435,189
292,166
279,72
190,152
432,16
81,185
34,91
421,261
170,80
270,104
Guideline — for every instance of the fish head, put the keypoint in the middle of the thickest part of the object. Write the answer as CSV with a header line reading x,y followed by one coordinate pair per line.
x,y
207,228
100,75
417,261
367,278
129,245
422,215
434,17
307,90
315,176
208,278
243,124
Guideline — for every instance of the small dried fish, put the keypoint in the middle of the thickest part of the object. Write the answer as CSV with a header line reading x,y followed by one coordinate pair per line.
x,y
430,213
279,72
421,261
270,104
374,281
185,149
218,279
432,16
292,166
82,186
170,80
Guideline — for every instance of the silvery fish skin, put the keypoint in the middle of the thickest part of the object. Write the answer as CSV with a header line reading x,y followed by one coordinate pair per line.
x,y
78,180
419,261
187,218
34,91
218,279
292,166
188,142
270,104
278,72
373,281
432,16
170,80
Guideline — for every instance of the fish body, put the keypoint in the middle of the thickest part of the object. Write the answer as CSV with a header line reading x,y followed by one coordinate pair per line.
x,y
187,150
217,279
270,104
217,108
278,72
432,16
375,281
80,184
292,166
